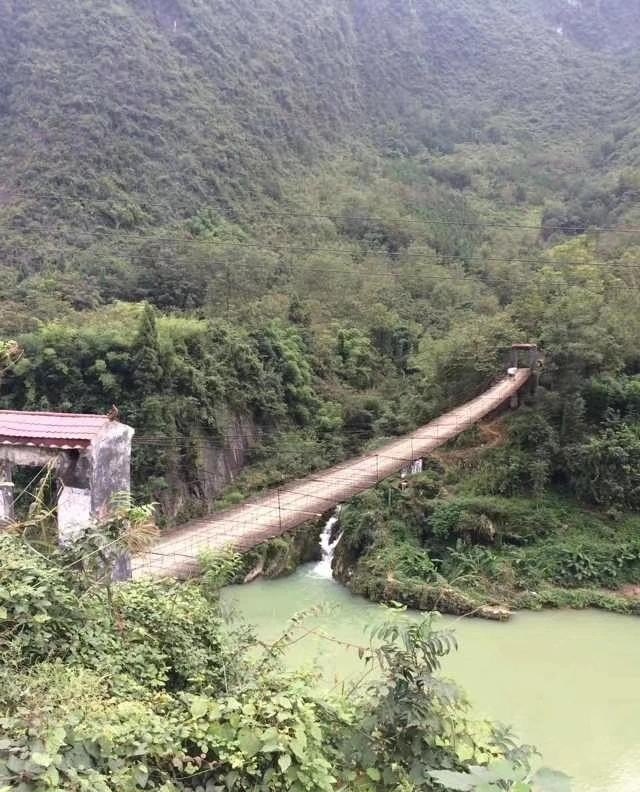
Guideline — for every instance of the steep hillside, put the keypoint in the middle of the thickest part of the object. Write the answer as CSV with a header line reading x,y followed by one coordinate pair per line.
x,y
126,114
612,25
341,213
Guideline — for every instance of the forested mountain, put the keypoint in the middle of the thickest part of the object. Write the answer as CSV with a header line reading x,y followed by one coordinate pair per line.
x,y
126,114
339,213
612,25
273,233
123,120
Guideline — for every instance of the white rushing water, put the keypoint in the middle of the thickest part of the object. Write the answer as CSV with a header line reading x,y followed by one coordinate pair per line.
x,y
417,466
323,567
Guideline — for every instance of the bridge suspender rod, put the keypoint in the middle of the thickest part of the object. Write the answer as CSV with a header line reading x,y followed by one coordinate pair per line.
x,y
279,510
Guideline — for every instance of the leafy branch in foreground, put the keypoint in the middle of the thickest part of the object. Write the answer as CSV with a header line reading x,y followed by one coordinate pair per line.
x,y
147,685
502,776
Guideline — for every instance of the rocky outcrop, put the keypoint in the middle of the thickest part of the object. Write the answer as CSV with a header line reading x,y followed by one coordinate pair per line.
x,y
217,462
283,555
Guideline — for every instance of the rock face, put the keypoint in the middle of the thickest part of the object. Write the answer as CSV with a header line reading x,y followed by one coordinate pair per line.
x,y
217,463
344,563
282,556
220,465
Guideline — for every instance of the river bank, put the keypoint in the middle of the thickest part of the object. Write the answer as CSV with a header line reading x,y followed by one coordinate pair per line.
x,y
534,556
433,543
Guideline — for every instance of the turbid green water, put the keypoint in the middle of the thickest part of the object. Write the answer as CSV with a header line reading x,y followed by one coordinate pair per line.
x,y
567,681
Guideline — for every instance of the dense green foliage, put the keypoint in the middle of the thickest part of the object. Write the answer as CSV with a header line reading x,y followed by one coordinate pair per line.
x,y
274,255
146,685
336,244
193,386
292,296
155,104
271,232
493,525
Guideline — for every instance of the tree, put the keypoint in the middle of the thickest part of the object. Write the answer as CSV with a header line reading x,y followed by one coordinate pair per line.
x,y
147,370
605,469
10,352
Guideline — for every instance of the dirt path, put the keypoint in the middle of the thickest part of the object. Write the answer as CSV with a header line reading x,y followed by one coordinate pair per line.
x,y
275,512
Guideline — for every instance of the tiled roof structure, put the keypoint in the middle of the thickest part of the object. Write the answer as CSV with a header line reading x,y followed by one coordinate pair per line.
x,y
50,430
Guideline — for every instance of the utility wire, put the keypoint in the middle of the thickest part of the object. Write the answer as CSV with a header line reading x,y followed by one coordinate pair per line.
x,y
376,219
379,220
216,442
426,257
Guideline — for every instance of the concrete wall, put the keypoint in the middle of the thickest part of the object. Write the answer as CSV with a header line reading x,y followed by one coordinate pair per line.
x,y
74,513
74,469
27,456
110,467
6,494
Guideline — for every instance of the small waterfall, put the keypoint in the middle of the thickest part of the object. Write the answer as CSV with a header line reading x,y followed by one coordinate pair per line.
x,y
415,467
323,567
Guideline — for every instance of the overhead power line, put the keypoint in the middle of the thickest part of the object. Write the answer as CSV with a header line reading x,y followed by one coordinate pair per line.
x,y
428,256
460,223
380,220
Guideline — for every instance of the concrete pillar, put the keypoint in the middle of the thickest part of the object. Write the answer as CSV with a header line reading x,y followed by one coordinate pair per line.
x,y
6,493
122,568
74,513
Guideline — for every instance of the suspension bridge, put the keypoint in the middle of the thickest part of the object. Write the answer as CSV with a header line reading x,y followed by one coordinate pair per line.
x,y
280,510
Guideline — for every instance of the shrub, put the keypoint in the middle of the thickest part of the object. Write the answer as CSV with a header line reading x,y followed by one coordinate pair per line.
x,y
582,562
605,470
39,610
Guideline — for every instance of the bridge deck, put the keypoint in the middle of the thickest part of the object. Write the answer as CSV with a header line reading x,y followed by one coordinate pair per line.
x,y
277,511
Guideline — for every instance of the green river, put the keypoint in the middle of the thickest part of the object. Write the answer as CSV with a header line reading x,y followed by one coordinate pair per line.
x,y
567,681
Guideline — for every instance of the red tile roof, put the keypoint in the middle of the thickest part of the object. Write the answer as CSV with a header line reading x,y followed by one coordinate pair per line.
x,y
50,430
